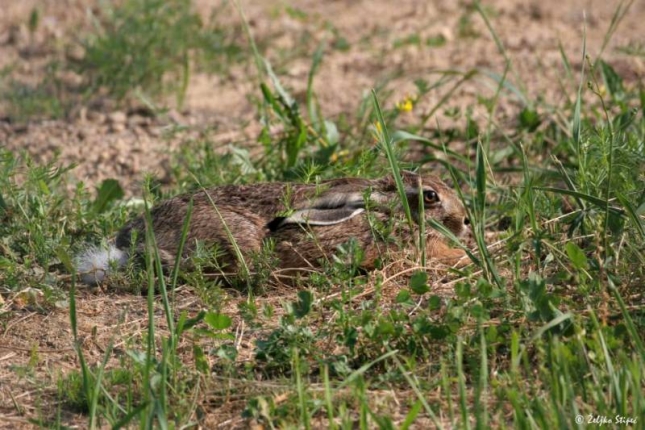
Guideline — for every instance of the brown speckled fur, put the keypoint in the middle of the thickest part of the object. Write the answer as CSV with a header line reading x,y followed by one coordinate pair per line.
x,y
247,209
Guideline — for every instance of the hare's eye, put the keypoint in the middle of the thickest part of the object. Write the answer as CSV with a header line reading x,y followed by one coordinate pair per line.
x,y
430,197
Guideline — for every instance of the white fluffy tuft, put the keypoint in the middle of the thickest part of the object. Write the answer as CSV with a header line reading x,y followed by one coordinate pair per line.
x,y
95,263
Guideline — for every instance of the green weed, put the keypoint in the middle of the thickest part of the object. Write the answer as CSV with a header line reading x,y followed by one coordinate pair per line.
x,y
544,326
28,101
148,46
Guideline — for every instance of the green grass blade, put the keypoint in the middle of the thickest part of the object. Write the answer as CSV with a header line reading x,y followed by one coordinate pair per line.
x,y
619,13
600,203
502,50
632,214
180,249
254,48
422,227
629,322
576,124
461,381
402,135
411,415
386,144
467,76
551,324
481,390
328,398
417,391
311,100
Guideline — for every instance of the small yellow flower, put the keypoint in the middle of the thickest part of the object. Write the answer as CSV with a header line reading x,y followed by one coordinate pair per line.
x,y
343,154
602,90
377,130
406,105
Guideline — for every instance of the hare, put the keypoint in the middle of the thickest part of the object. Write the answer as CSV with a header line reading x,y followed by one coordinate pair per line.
x,y
306,222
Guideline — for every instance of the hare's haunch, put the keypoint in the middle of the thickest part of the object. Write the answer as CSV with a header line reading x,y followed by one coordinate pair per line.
x,y
306,222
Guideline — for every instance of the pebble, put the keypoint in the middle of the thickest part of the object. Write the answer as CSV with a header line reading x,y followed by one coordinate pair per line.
x,y
117,121
117,127
117,117
96,117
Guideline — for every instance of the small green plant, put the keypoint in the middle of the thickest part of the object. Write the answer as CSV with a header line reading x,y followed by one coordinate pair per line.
x,y
544,327
144,45
33,101
32,26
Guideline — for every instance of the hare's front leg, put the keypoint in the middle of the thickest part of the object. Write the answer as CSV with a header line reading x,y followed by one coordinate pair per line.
x,y
439,250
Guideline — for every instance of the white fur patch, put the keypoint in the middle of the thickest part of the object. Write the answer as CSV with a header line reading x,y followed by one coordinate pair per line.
x,y
95,263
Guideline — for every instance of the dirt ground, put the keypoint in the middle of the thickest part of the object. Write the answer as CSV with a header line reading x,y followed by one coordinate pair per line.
x,y
121,144
118,144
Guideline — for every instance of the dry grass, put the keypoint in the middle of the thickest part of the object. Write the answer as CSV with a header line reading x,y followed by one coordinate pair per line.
x,y
546,325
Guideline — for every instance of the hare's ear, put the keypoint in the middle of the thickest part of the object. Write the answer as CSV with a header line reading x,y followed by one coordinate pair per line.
x,y
336,200
312,216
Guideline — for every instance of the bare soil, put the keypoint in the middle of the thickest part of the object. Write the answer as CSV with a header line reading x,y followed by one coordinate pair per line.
x,y
36,343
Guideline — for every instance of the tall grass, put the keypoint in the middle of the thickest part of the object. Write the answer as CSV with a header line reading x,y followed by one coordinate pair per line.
x,y
544,329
